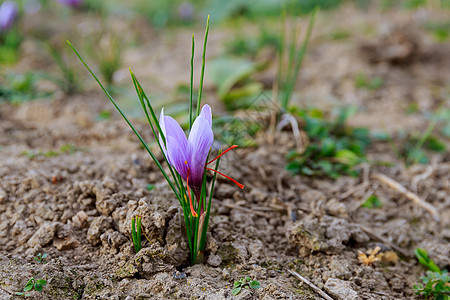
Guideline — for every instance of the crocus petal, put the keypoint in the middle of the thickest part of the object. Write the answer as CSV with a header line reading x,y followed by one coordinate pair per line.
x,y
200,140
177,156
8,12
72,3
206,113
163,129
176,149
173,129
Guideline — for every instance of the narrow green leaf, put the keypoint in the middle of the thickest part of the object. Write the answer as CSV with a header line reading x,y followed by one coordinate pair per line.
x,y
200,89
29,286
139,233
236,291
191,84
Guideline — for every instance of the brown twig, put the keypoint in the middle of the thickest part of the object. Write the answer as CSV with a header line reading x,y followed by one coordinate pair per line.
x,y
311,285
410,195
361,186
258,213
421,177
353,190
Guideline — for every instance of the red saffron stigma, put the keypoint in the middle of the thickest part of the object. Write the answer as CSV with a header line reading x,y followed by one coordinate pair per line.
x,y
193,212
232,147
237,183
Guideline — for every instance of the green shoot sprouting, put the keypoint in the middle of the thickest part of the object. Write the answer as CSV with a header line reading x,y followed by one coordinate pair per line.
x,y
288,71
40,258
36,284
422,257
437,281
136,232
333,149
68,82
244,282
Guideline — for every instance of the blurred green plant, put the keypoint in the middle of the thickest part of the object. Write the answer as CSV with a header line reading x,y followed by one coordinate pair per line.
x,y
17,88
233,78
248,9
105,47
372,202
9,46
364,82
64,149
439,30
339,34
413,4
104,115
437,282
250,46
237,131
414,144
246,283
333,149
68,82
162,13
290,58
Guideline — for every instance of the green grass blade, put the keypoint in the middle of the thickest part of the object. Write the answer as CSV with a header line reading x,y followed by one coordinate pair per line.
x,y
281,52
192,84
300,56
200,88
290,66
133,234
139,233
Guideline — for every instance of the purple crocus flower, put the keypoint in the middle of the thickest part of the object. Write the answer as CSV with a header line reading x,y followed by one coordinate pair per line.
x,y
71,3
188,155
8,13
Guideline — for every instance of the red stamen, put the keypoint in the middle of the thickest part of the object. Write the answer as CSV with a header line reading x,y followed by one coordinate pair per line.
x,y
232,147
193,212
237,183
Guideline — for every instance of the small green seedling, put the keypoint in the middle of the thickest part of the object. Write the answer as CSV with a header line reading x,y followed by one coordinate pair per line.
x,y
245,282
437,281
36,284
372,202
40,258
334,148
136,232
364,82
422,257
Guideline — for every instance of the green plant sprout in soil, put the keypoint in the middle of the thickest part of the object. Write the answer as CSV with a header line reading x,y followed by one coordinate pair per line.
x,y
40,258
437,282
333,148
136,232
36,284
413,147
364,82
246,283
64,149
187,159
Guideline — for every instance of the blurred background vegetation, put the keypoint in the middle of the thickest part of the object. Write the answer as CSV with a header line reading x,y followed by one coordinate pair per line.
x,y
258,60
